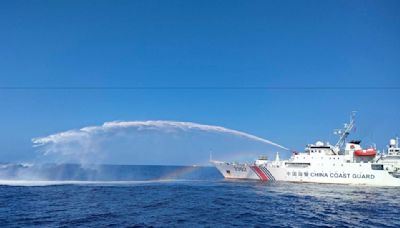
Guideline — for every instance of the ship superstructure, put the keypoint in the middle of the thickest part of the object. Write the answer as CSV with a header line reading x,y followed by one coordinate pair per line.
x,y
346,162
391,158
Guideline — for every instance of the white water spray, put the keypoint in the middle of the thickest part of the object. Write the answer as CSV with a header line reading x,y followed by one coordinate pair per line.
x,y
86,142
143,125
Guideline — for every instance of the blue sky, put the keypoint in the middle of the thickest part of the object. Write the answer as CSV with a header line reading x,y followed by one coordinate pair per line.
x,y
199,44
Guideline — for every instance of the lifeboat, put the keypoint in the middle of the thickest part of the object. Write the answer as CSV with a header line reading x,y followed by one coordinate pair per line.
x,y
368,152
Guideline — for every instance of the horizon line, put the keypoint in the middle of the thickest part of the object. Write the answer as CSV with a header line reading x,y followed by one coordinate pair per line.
x,y
199,87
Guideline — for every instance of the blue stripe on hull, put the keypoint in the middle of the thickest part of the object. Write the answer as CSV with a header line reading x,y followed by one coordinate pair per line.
x,y
268,173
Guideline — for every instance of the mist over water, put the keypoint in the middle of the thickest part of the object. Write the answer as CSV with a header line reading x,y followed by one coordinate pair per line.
x,y
136,151
150,142
51,174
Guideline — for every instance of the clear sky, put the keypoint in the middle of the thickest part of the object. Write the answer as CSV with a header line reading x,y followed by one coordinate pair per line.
x,y
199,44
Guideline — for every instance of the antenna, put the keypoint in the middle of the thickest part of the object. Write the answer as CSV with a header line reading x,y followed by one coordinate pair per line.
x,y
343,133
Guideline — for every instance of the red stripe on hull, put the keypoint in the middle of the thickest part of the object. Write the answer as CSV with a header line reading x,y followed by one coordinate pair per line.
x,y
260,173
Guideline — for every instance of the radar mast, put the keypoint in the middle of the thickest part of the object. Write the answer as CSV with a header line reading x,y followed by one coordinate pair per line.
x,y
343,133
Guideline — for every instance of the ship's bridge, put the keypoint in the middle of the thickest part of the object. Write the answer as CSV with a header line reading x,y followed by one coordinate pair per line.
x,y
318,152
320,148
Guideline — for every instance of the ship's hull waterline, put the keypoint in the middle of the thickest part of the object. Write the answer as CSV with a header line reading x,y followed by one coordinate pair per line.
x,y
352,173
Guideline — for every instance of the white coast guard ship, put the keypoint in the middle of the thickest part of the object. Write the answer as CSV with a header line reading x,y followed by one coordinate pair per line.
x,y
342,163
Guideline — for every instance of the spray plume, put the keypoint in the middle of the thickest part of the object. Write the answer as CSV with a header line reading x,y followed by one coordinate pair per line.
x,y
86,132
114,142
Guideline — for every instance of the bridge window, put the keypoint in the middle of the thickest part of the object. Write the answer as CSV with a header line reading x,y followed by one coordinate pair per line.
x,y
377,167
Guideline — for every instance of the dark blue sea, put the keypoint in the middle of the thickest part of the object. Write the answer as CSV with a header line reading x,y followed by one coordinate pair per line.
x,y
178,196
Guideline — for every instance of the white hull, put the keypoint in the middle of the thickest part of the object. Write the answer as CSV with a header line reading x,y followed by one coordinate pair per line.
x,y
236,171
350,173
343,163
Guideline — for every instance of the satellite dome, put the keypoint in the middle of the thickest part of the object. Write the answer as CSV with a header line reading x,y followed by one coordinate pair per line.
x,y
392,142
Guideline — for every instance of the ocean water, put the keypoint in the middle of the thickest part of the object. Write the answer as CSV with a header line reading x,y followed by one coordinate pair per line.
x,y
176,196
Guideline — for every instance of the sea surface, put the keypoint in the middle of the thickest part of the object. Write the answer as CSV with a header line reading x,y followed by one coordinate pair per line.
x,y
181,196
